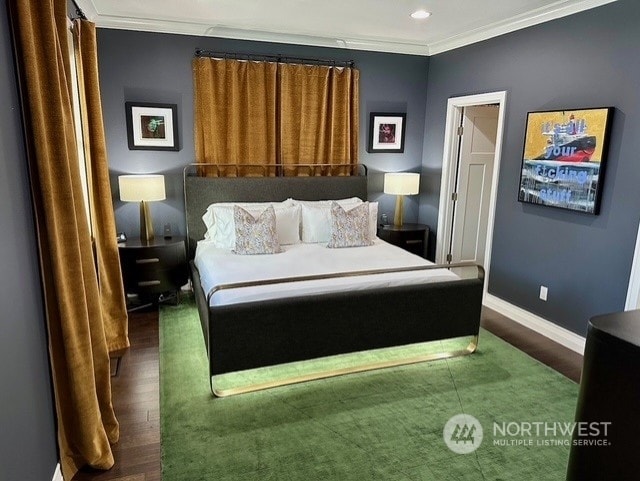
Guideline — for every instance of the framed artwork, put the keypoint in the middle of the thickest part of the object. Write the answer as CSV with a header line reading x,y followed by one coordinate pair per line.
x,y
152,126
386,132
564,158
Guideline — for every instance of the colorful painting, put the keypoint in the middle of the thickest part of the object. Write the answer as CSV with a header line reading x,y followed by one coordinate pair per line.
x,y
152,126
386,132
564,158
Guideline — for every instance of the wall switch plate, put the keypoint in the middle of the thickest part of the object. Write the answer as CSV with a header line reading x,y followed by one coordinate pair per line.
x,y
543,292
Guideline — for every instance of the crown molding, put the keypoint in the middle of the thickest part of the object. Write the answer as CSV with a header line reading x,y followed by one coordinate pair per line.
x,y
556,10
223,31
535,17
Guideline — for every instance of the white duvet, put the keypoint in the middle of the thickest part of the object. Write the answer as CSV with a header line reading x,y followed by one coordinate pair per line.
x,y
221,266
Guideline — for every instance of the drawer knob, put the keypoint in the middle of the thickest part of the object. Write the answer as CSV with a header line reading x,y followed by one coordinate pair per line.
x,y
148,283
147,261
413,241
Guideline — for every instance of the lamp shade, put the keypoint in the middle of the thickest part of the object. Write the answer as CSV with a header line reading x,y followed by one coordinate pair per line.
x,y
137,188
401,183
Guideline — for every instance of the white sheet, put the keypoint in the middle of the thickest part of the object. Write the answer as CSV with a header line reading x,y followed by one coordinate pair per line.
x,y
221,266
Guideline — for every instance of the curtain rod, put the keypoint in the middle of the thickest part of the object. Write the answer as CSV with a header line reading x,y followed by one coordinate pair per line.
x,y
79,11
274,58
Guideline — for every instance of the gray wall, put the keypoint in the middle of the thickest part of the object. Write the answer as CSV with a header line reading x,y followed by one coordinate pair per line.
x,y
28,443
585,60
151,67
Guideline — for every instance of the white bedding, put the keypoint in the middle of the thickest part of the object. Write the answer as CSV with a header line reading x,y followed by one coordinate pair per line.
x,y
221,266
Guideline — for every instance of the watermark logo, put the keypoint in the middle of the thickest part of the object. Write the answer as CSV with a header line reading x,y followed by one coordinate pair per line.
x,y
463,434
551,433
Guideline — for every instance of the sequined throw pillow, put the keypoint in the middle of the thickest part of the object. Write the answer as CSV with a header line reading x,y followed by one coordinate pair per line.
x,y
349,228
255,236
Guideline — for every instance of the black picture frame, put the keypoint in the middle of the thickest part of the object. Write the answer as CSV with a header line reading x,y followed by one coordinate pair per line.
x,y
386,132
564,158
152,126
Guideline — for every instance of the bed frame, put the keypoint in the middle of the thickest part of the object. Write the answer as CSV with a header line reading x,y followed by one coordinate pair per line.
x,y
265,333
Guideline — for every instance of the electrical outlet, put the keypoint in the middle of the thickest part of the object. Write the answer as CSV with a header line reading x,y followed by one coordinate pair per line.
x,y
543,292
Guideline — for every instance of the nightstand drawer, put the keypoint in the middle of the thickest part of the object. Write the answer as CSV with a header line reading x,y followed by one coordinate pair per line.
x,y
152,281
152,256
154,267
410,237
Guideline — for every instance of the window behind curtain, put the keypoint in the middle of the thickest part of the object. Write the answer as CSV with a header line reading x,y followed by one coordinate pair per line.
x,y
275,114
77,117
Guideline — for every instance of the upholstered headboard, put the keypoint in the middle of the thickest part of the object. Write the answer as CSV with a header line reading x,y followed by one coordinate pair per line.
x,y
200,192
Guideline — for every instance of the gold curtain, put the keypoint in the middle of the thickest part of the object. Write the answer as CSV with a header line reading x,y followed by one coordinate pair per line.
x,y
77,342
112,297
249,112
235,114
319,118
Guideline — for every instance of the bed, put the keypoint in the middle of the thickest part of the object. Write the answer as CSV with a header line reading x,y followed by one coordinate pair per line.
x,y
270,316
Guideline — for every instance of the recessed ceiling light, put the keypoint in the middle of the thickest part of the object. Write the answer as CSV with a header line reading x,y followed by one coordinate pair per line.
x,y
420,14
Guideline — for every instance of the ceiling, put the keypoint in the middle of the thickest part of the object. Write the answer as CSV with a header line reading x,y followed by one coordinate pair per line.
x,y
379,25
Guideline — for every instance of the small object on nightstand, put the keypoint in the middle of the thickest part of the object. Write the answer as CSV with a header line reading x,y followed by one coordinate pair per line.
x,y
411,237
122,237
167,231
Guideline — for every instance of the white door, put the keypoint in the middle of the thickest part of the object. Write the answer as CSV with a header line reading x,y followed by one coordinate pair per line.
x,y
474,181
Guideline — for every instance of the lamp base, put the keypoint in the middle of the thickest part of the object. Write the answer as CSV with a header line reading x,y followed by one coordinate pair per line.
x,y
146,226
398,218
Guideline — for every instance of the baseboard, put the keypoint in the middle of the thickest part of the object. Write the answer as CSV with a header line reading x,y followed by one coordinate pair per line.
x,y
57,474
558,334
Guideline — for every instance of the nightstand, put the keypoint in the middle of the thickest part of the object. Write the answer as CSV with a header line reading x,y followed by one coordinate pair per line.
x,y
411,237
152,269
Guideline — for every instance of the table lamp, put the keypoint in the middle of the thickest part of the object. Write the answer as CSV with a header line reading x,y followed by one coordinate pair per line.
x,y
143,189
401,184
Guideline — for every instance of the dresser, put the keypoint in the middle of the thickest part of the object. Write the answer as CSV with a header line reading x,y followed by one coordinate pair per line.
x,y
608,402
153,269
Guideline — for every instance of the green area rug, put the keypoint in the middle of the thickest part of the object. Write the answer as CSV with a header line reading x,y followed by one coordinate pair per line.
x,y
380,425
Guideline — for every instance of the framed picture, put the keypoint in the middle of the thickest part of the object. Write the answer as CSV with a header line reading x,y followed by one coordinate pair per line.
x,y
386,132
564,158
152,126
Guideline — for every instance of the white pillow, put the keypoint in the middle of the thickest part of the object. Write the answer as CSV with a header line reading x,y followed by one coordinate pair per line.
x,y
350,201
316,219
223,231
209,220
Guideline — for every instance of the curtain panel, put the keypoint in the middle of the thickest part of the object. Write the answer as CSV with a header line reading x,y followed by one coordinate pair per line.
x,y
112,296
319,118
73,297
235,115
267,113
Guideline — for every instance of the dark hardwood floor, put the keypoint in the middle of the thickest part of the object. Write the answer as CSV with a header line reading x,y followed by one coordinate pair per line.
x,y
136,386
136,400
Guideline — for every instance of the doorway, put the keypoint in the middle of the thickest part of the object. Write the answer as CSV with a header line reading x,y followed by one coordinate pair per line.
x,y
633,291
470,169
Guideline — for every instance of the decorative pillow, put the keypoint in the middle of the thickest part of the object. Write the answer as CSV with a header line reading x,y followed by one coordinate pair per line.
x,y
349,228
373,221
316,219
222,230
255,236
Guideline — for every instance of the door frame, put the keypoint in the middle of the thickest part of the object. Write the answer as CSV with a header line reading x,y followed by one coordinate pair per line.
x,y
455,107
633,290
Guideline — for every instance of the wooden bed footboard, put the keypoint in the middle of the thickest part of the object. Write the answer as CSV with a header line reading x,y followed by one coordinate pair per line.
x,y
264,333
